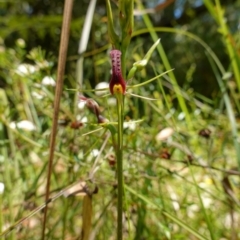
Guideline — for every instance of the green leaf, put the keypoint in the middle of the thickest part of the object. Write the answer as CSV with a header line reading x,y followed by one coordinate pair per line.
x,y
111,128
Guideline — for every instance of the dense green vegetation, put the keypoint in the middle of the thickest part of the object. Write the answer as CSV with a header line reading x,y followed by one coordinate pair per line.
x,y
181,150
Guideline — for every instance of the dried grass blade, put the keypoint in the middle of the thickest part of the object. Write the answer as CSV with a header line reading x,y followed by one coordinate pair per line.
x,y
67,14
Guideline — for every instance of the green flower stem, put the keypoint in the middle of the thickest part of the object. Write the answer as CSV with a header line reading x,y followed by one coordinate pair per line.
x,y
120,101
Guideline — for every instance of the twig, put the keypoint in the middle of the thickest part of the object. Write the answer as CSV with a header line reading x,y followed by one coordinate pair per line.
x,y
67,14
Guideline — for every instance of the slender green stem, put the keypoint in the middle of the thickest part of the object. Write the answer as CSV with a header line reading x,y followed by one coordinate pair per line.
x,y
203,209
218,14
120,166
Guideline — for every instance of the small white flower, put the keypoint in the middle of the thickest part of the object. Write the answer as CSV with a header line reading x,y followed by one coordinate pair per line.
x,y
164,134
181,116
21,43
197,112
130,125
227,75
95,152
25,69
48,81
37,95
84,119
24,125
81,104
12,125
101,85
2,188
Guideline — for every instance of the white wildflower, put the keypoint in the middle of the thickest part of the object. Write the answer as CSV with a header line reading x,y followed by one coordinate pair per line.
x,y
48,81
130,125
181,116
81,104
37,95
24,125
2,186
164,134
25,69
102,85
197,112
95,152
21,43
82,119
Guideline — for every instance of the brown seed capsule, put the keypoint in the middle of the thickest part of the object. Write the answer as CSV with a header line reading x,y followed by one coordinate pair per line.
x,y
111,160
190,158
165,154
205,133
76,125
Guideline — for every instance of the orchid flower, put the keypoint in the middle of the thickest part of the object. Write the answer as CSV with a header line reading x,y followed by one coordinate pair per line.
x,y
117,83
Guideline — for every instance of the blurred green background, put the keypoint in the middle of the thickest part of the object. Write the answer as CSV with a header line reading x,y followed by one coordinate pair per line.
x,y
39,24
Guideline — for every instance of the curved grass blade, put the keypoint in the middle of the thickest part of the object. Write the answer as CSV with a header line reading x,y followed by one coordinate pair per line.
x,y
168,215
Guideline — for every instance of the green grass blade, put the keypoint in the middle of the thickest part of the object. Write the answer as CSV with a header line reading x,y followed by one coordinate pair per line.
x,y
222,71
217,13
229,110
203,209
168,215
167,66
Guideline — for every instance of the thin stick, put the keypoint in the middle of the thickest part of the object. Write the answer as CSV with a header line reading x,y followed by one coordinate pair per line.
x,y
67,14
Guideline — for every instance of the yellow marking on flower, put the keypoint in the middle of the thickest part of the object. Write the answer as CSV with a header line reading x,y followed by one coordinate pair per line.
x,y
117,89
